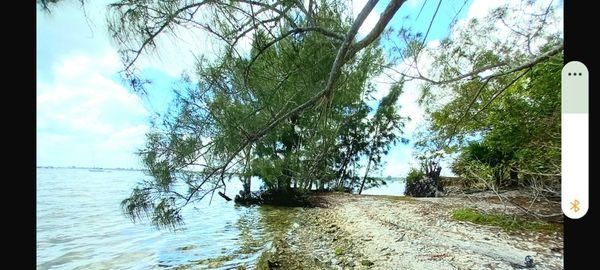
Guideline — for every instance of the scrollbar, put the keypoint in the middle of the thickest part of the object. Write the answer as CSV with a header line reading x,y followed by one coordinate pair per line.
x,y
575,140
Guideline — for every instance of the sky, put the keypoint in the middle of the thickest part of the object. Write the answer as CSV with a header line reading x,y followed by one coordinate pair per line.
x,y
86,116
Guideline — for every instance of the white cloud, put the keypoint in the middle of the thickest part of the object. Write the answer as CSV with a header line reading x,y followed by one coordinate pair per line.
x,y
176,53
124,138
82,111
370,21
67,30
84,116
480,8
368,24
399,162
410,107
413,3
407,101
383,84
519,18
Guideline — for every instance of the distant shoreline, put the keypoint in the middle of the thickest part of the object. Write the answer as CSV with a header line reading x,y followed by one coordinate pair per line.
x,y
89,168
143,170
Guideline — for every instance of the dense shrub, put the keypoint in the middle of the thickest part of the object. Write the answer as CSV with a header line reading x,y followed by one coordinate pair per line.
x,y
425,187
414,175
419,185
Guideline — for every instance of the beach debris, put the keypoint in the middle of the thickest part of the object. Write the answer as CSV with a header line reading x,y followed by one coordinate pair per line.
x,y
273,264
366,263
528,261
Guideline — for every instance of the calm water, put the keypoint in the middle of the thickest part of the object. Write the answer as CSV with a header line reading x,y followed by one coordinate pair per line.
x,y
394,188
80,226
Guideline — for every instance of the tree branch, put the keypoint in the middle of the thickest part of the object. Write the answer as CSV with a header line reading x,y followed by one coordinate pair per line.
x,y
383,21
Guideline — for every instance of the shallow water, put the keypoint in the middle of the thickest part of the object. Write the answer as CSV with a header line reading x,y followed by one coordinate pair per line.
x,y
80,226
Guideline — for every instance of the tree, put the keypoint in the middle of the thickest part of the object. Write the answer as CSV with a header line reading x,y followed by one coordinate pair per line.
x,y
382,129
271,114
267,113
352,142
493,96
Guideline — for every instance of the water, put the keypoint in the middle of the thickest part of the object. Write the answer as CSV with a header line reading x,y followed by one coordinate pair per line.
x,y
80,226
394,187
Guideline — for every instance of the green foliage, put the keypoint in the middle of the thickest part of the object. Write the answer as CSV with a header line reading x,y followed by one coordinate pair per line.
x,y
382,134
521,130
506,222
504,123
414,175
222,126
141,204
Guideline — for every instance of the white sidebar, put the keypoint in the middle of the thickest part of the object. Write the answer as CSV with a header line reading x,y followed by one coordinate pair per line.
x,y
575,140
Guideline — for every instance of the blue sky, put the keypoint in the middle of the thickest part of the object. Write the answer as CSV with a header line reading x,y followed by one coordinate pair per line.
x,y
86,116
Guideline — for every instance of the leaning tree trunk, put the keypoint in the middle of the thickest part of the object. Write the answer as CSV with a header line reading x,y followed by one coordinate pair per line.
x,y
362,185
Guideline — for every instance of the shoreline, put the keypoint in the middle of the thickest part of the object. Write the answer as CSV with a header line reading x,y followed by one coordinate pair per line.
x,y
396,232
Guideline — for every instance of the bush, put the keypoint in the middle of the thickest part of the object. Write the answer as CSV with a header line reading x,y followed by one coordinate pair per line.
x,y
414,175
419,185
425,187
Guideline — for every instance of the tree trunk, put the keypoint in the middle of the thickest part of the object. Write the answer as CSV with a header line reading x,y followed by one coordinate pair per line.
x,y
436,178
342,169
362,185
514,176
247,181
247,186
498,177
432,169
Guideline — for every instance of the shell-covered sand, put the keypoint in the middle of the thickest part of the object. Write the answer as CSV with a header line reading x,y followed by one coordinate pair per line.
x,y
386,232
